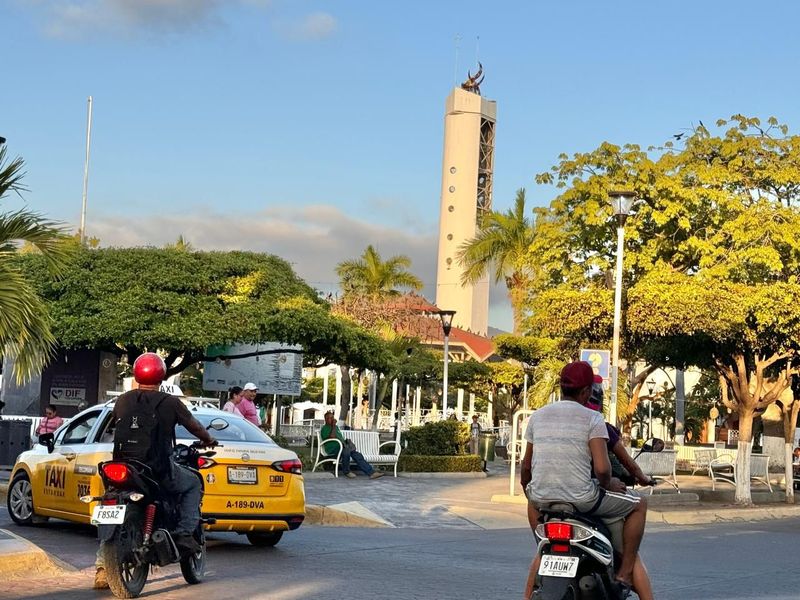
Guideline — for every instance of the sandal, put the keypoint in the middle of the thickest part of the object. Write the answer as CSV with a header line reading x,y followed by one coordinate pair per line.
x,y
623,588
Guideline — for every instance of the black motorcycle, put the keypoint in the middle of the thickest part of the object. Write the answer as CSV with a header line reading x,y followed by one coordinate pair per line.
x,y
578,560
135,520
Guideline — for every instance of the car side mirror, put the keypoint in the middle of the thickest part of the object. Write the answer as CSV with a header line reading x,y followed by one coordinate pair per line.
x,y
218,424
48,440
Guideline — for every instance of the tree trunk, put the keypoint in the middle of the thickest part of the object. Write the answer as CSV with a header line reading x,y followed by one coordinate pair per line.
x,y
788,473
383,388
745,445
516,295
347,384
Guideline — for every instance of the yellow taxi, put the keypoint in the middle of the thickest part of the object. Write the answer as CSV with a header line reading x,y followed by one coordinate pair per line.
x,y
252,486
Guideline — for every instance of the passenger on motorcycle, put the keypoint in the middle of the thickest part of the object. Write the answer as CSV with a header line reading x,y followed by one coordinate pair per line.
x,y
138,435
564,441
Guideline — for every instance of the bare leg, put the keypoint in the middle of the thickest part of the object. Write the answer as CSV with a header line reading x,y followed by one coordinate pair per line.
x,y
533,521
641,580
632,534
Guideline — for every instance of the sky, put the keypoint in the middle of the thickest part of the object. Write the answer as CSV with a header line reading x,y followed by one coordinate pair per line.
x,y
311,128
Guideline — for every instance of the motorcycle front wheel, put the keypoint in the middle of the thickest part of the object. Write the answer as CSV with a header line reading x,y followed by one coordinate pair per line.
x,y
126,576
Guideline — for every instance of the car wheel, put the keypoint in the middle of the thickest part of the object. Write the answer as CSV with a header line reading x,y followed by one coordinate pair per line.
x,y
20,500
264,539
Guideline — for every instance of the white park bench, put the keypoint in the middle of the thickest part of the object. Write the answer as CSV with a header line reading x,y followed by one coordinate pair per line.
x,y
702,459
723,468
366,442
660,465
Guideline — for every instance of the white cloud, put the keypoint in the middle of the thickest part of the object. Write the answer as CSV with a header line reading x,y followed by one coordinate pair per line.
x,y
315,26
314,239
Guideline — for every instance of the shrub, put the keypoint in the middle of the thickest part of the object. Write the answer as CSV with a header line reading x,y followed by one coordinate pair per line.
x,y
442,438
465,463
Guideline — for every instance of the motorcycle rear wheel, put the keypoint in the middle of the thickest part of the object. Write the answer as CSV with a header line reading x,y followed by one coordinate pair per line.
x,y
126,578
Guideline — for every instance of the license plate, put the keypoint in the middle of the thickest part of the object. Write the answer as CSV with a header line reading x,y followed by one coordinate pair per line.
x,y
108,514
558,566
243,475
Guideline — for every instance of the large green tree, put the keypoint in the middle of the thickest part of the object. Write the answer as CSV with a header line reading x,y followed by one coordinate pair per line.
x,y
370,275
181,302
25,326
711,259
501,245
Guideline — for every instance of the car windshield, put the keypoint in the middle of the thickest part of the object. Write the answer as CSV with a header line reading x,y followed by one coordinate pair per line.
x,y
238,430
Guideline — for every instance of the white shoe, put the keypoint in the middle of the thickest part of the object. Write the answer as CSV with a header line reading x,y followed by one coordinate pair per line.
x,y
350,475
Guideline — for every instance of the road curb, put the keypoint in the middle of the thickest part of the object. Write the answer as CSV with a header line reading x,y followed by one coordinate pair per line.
x,y
328,516
724,514
20,558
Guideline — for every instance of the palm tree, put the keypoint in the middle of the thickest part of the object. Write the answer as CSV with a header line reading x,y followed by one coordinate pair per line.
x,y
501,244
372,276
25,334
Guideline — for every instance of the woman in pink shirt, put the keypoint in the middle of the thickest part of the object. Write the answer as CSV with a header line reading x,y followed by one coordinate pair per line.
x,y
50,422
232,405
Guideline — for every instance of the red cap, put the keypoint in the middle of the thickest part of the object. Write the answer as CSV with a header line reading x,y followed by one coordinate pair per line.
x,y
576,375
598,379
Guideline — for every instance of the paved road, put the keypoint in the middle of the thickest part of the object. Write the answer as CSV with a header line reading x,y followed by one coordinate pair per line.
x,y
730,561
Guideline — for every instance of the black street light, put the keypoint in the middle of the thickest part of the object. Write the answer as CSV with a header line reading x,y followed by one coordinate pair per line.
x,y
447,322
651,387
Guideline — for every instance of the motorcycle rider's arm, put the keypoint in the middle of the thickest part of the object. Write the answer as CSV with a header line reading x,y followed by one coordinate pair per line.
x,y
193,426
525,474
630,465
600,462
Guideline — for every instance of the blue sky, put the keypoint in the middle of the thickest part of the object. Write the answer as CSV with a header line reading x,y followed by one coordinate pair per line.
x,y
313,128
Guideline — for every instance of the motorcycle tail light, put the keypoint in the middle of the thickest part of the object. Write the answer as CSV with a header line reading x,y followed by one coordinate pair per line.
x,y
205,463
292,465
558,531
116,472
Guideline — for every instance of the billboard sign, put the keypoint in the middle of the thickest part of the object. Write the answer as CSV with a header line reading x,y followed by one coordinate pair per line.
x,y
275,373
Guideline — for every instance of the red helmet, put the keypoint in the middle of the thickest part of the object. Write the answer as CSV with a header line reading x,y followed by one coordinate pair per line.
x,y
149,369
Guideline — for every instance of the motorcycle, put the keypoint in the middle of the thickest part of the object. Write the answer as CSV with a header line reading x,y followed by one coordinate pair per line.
x,y
578,561
135,519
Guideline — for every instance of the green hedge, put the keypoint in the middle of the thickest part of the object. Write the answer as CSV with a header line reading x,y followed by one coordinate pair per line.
x,y
465,463
440,438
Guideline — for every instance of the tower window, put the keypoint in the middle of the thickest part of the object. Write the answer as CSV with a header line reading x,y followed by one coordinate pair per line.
x,y
449,236
451,208
453,170
452,188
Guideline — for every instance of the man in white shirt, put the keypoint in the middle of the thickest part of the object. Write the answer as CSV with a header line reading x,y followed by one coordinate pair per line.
x,y
565,440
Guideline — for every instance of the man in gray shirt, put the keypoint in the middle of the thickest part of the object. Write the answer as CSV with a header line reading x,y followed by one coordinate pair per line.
x,y
564,441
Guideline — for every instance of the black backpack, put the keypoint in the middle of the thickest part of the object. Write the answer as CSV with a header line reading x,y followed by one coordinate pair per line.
x,y
138,435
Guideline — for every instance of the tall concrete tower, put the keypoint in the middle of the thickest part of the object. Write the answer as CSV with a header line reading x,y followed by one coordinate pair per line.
x,y
467,170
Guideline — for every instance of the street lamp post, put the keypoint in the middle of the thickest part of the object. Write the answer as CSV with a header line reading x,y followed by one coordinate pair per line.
x,y
447,322
621,201
651,388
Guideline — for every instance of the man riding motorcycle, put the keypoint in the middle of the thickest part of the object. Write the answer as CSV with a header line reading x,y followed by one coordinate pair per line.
x,y
144,421
565,440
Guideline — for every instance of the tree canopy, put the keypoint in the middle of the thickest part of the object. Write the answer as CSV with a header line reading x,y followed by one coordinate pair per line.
x,y
371,275
712,255
182,302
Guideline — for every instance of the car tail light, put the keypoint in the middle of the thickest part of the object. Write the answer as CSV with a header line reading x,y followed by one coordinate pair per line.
x,y
116,472
205,463
558,532
292,465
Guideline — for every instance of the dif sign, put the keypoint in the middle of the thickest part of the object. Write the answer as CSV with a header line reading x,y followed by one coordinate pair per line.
x,y
65,396
600,361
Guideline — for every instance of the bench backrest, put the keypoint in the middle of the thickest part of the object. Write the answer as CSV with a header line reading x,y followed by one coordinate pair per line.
x,y
704,456
657,463
367,442
759,463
